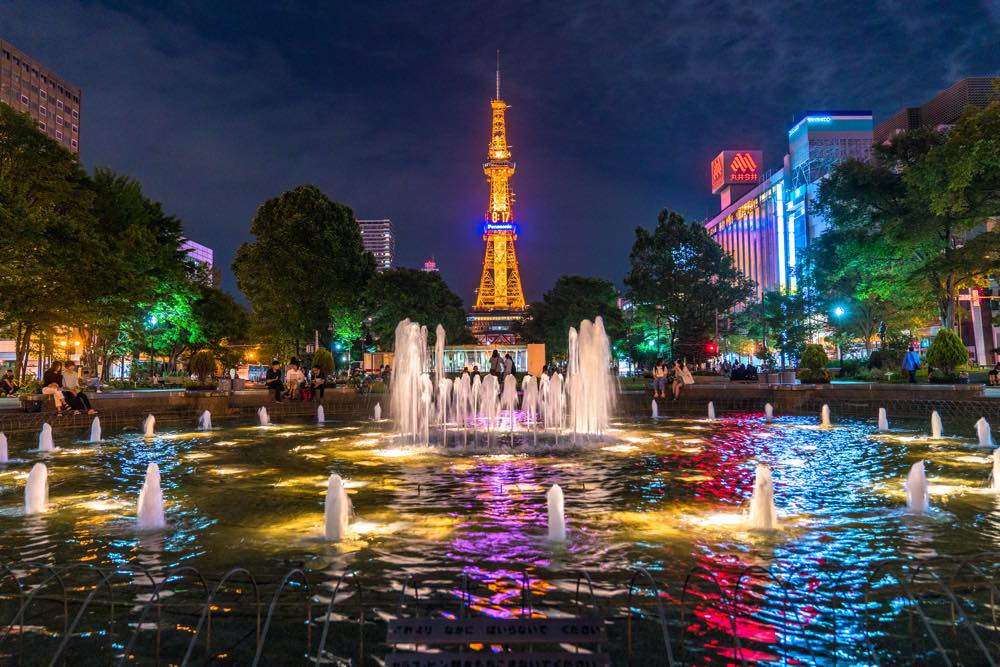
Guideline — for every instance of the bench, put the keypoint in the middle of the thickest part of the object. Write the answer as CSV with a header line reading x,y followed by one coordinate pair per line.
x,y
550,635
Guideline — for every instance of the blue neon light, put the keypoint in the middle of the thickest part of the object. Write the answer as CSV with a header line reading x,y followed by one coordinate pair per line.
x,y
500,227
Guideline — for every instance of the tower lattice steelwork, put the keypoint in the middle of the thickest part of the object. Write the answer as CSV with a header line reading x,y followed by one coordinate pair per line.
x,y
500,284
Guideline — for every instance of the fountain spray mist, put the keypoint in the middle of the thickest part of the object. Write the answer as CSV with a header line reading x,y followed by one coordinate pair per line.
x,y
149,509
95,430
995,477
557,513
3,448
825,416
589,385
263,418
936,429
763,514
45,443
149,426
36,491
917,498
337,509
883,421
768,413
205,421
320,414
711,411
983,432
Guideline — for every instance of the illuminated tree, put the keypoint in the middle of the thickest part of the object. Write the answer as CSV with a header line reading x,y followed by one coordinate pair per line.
x,y
685,279
306,260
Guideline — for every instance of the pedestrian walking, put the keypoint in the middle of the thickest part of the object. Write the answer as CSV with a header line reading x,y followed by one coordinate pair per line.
x,y
911,362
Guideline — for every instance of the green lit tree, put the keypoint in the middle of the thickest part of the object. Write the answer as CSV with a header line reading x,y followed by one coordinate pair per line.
x,y
947,354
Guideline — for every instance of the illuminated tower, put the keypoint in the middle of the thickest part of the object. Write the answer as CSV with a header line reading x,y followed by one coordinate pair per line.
x,y
500,284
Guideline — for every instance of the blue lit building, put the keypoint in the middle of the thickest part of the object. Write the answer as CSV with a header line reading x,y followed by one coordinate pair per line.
x,y
768,218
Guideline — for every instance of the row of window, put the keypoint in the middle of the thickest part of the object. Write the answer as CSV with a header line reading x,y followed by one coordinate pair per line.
x,y
43,97
59,133
34,73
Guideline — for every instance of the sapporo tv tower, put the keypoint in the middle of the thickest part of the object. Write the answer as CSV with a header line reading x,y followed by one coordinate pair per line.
x,y
500,298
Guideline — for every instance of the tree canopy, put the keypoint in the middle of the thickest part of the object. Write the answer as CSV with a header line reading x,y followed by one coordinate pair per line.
x,y
681,278
306,261
572,299
422,296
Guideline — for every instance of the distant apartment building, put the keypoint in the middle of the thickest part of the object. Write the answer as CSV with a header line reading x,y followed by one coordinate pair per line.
x,y
380,240
980,305
53,103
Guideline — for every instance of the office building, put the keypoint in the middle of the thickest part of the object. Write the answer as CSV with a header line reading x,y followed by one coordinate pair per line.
x,y
768,217
201,255
379,239
942,110
30,87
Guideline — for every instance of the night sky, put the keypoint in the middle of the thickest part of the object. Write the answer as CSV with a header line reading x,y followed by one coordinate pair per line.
x,y
616,108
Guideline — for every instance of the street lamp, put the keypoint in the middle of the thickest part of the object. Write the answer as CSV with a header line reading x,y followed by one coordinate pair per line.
x,y
839,311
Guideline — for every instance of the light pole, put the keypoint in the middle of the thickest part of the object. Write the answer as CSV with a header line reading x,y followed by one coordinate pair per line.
x,y
838,313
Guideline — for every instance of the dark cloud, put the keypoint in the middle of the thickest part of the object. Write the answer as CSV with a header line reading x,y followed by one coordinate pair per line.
x,y
617,108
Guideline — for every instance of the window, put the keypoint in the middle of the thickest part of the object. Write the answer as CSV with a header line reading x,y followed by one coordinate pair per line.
x,y
42,110
73,143
75,129
41,126
59,120
24,99
59,135
59,104
75,114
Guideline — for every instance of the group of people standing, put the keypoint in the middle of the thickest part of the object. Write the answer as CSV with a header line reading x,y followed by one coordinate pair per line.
x,y
295,384
62,382
674,377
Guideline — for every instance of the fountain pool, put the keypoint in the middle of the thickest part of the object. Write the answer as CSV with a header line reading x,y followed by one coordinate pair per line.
x,y
668,496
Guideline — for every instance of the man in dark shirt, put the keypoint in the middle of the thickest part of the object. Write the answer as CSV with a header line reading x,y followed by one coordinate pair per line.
x,y
273,380
7,384
318,382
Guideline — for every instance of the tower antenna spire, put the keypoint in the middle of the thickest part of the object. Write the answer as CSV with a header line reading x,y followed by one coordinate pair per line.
x,y
498,74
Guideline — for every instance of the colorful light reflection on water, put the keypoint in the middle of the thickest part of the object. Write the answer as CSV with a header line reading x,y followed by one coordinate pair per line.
x,y
666,496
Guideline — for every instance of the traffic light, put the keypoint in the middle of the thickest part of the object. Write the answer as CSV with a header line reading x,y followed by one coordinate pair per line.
x,y
711,348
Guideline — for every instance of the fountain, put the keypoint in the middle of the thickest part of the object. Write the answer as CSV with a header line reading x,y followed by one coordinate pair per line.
x,y
337,509
36,491
3,448
409,360
983,432
320,414
995,477
205,421
883,421
763,514
655,410
508,399
825,416
149,510
590,388
557,513
711,411
529,398
95,430
917,500
936,430
45,443
768,413
148,426
377,412
262,417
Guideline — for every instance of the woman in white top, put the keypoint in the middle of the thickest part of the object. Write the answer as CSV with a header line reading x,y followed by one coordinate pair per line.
x,y
294,377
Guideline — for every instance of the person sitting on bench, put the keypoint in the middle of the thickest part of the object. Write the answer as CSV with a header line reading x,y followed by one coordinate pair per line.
x,y
52,386
8,387
72,392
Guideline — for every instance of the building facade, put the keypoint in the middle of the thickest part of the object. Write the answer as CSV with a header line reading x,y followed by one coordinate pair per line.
x,y
201,255
30,87
380,240
768,218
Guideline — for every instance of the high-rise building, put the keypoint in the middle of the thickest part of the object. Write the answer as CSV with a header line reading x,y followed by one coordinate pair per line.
x,y
500,298
768,218
379,239
30,87
942,110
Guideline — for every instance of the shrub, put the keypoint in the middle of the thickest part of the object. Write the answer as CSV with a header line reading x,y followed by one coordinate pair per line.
x,y
202,364
878,359
324,359
814,357
947,352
